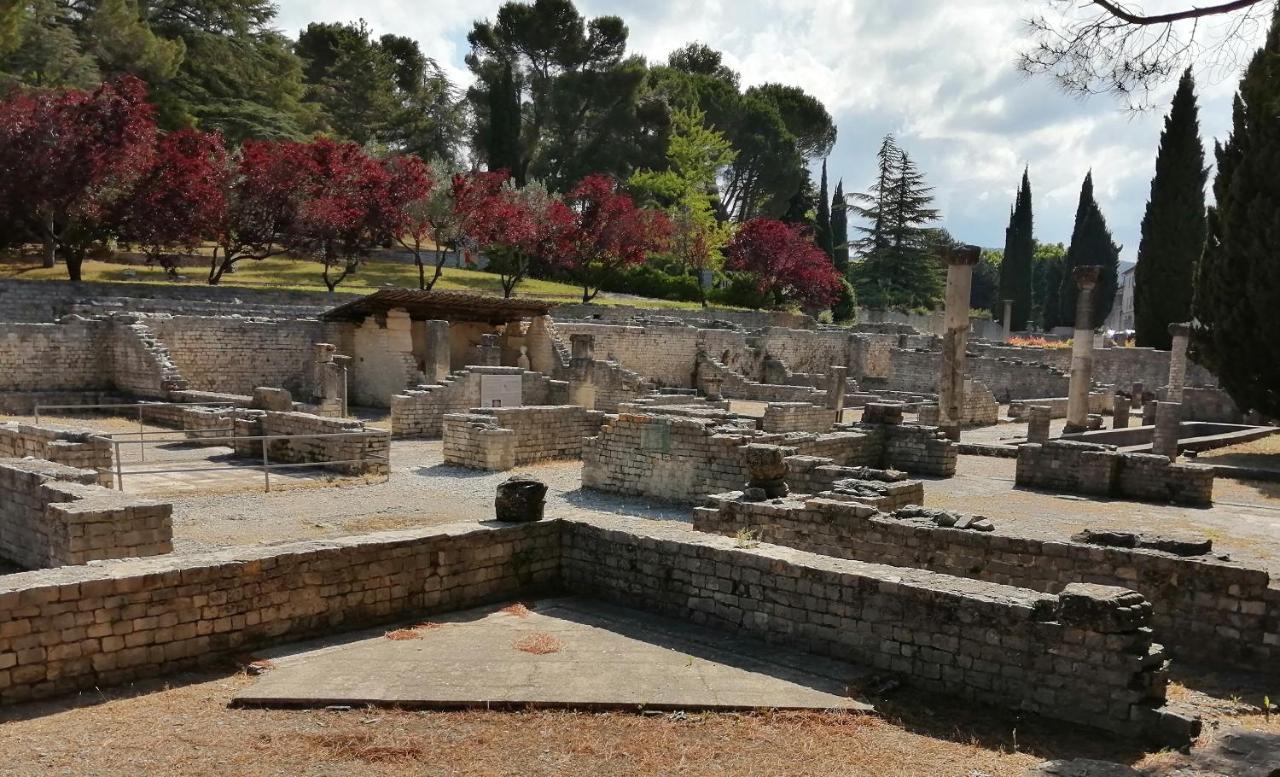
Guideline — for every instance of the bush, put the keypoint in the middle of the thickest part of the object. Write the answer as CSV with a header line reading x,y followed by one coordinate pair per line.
x,y
649,280
846,308
740,292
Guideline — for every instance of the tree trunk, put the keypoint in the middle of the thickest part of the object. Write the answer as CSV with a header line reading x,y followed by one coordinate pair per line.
x,y
75,262
50,244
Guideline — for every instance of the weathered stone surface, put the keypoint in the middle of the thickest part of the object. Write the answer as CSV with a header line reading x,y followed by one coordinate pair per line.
x,y
520,499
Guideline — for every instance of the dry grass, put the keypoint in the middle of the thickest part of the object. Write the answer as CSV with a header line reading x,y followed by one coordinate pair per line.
x,y
1038,342
517,609
538,644
403,634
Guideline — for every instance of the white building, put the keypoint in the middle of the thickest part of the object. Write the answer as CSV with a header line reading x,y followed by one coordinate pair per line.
x,y
1121,316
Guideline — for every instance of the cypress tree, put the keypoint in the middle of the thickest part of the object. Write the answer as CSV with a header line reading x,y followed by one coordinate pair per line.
x,y
1237,307
840,230
1091,243
1173,227
822,229
1019,250
502,142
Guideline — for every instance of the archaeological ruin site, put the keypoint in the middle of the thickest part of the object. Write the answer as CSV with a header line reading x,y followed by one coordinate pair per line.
x,y
319,489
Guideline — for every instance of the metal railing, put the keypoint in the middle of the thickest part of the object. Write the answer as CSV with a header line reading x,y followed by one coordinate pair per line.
x,y
140,405
266,466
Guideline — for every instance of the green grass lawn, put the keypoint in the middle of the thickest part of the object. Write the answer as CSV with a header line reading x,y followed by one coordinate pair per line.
x,y
298,275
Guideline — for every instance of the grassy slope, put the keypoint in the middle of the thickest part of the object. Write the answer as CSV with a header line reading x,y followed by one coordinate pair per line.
x,y
284,273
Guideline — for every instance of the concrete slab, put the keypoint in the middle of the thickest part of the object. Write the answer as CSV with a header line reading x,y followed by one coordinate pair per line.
x,y
603,657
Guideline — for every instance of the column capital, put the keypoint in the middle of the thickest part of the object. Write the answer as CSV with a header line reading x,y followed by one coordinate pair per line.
x,y
1181,329
1087,275
961,255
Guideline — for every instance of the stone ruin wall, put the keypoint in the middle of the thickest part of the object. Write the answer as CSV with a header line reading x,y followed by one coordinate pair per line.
x,y
1095,470
235,355
503,438
52,515
783,417
76,448
420,412
1206,609
368,454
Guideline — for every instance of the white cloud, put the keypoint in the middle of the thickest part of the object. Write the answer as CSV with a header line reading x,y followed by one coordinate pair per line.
x,y
938,73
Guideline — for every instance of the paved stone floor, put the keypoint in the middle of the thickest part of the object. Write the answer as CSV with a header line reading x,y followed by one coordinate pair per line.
x,y
586,654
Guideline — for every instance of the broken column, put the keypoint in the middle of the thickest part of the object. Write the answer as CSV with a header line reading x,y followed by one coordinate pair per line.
x,y
321,355
436,348
1038,417
711,385
960,262
489,351
837,378
766,471
582,387
1164,440
1178,360
1120,412
1086,277
1007,321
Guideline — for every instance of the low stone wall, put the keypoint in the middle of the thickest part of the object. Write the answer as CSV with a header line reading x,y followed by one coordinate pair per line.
x,y
52,515
782,417
1083,655
420,412
85,627
502,438
73,447
1215,611
370,453
885,490
1099,403
1084,468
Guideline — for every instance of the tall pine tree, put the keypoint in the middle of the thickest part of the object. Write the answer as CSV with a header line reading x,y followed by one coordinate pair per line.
x,y
1091,243
897,266
840,230
1237,304
1173,227
822,226
1015,266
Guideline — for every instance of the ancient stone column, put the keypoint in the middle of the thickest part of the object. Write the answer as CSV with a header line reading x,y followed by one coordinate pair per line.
x,y
582,387
436,351
1148,412
1007,321
960,262
1086,277
1164,440
766,471
711,384
1120,412
1038,417
489,352
836,380
1178,360
321,355
1136,395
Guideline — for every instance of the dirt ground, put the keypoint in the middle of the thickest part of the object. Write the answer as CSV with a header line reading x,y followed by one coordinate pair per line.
x,y
185,726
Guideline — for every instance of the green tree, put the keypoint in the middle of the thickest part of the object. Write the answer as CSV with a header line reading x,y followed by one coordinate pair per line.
x,y
40,47
984,294
1238,298
1046,282
1017,259
1173,227
1091,243
350,78
121,41
822,221
502,138
840,230
897,265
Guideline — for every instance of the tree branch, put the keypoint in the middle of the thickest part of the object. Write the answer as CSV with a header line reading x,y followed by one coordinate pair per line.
x,y
1195,12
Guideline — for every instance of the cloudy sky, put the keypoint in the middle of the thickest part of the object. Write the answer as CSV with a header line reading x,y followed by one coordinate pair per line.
x,y
938,73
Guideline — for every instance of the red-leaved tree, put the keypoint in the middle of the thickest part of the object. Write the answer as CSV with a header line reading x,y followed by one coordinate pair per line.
x,y
179,200
785,263
67,158
605,231
510,225
347,208
262,194
412,182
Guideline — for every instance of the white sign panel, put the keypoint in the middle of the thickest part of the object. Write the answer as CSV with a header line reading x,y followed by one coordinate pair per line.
x,y
500,391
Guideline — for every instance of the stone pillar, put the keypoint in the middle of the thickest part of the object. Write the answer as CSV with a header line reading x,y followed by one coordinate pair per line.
x,y
928,415
1007,321
711,385
1178,360
1148,412
1164,440
960,262
837,377
766,471
1136,396
438,359
1038,417
1120,412
542,352
321,354
1086,277
489,351
582,387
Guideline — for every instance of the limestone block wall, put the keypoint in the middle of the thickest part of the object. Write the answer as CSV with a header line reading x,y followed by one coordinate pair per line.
x,y
86,627
734,386
1206,404
1099,402
229,354
923,450
52,515
702,318
420,412
1083,655
884,490
1085,468
806,351
370,452
1120,367
1221,612
665,354
75,448
502,438
72,355
798,417
140,364
1007,379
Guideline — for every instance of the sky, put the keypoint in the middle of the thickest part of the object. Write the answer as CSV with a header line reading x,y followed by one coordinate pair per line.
x,y
939,74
